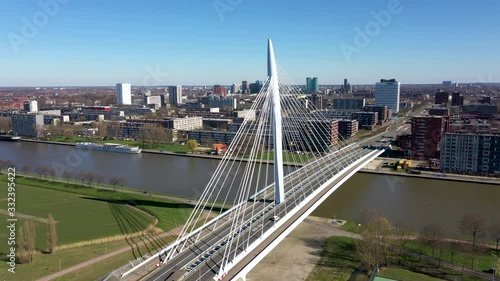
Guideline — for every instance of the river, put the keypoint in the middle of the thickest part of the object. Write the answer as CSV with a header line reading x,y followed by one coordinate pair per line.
x,y
412,200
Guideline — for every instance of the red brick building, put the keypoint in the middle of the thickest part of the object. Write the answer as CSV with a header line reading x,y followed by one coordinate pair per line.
x,y
426,134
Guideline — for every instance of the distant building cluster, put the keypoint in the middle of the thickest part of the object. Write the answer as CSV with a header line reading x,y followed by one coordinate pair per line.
x,y
464,137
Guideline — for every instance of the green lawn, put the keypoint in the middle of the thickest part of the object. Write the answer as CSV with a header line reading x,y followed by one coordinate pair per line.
x,y
338,261
80,218
170,213
351,226
405,275
85,213
481,260
44,265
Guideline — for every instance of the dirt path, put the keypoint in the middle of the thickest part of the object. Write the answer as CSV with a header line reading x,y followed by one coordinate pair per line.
x,y
297,255
24,216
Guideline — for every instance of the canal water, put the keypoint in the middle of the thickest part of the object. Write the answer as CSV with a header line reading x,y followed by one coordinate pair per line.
x,y
412,200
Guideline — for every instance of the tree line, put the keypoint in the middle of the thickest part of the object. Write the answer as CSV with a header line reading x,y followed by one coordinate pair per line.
x,y
383,243
49,173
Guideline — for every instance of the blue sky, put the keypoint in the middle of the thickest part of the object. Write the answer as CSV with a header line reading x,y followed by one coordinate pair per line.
x,y
204,42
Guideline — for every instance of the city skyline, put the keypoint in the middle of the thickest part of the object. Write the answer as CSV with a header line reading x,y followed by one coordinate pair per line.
x,y
220,44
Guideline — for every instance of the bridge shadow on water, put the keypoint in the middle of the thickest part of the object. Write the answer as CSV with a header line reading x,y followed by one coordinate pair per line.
x,y
131,225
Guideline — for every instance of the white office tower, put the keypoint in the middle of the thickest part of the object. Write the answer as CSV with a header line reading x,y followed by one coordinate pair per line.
x,y
387,93
175,95
124,93
235,88
31,106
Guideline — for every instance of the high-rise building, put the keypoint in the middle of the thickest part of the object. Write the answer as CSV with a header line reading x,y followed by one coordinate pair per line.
x,y
426,134
29,125
220,90
387,93
463,152
256,87
31,106
346,87
312,85
348,103
175,95
235,88
366,120
383,113
347,128
447,83
149,100
244,87
441,97
457,99
124,93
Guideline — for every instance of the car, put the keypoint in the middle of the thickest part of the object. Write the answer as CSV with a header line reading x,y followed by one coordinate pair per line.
x,y
275,218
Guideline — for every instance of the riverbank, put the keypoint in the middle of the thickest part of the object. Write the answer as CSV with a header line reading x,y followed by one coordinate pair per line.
x,y
371,168
163,152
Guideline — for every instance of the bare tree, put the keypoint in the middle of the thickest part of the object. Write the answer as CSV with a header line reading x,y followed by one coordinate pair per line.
x,y
51,172
372,248
27,238
2,165
115,129
102,130
121,182
402,233
82,176
148,134
27,169
89,177
68,132
432,235
99,179
114,181
473,224
5,164
42,171
5,124
51,234
67,174
495,233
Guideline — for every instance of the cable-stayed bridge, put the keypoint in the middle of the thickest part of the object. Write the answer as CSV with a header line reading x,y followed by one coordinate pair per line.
x,y
249,206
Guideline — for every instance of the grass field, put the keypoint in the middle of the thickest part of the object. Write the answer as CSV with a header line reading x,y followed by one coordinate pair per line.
x,y
83,214
44,265
79,218
170,213
404,275
481,260
338,261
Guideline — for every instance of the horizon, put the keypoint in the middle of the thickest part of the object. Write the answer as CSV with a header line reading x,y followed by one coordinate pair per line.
x,y
227,85
56,42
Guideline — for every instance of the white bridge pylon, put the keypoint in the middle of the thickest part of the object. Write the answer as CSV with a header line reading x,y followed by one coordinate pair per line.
x,y
252,197
272,74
